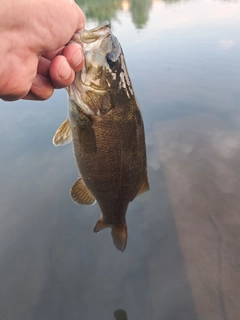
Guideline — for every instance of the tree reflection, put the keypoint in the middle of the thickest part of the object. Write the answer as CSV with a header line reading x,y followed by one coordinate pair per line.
x,y
172,1
140,12
107,10
100,10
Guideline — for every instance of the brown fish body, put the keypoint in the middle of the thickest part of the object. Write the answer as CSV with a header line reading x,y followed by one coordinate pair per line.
x,y
112,163
108,136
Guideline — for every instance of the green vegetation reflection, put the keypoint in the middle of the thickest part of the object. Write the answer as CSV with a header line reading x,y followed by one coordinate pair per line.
x,y
99,11
140,12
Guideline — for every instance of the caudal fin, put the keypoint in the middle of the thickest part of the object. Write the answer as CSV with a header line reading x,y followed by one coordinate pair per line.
x,y
119,233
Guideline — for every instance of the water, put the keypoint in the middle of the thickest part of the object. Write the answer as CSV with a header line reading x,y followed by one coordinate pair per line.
x,y
182,258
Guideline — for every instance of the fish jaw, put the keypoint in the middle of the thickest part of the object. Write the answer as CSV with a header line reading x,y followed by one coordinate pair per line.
x,y
88,36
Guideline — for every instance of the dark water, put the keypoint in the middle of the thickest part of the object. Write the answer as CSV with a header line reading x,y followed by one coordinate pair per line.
x,y
182,260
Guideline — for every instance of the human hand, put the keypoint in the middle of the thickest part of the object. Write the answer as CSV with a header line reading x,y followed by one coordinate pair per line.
x,y
34,57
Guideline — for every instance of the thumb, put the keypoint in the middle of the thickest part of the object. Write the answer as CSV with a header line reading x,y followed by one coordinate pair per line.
x,y
80,17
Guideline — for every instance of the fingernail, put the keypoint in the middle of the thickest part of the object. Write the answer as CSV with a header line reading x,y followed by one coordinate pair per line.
x,y
65,71
37,82
77,58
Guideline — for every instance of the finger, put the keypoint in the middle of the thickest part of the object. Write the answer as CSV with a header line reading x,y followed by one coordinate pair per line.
x,y
30,96
51,55
17,90
73,53
43,67
41,89
61,74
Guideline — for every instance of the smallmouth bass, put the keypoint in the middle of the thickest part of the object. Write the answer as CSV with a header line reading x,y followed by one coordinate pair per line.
x,y
106,128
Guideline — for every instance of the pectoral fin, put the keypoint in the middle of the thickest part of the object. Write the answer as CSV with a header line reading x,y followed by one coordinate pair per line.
x,y
80,193
63,134
144,187
119,233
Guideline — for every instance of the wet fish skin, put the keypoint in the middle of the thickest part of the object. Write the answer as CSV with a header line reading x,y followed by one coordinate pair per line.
x,y
107,132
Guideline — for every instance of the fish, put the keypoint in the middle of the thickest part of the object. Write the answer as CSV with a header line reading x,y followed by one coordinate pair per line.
x,y
106,128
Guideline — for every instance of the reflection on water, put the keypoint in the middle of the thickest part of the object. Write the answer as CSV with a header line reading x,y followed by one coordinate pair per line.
x,y
120,315
140,12
98,11
182,260
107,10
199,156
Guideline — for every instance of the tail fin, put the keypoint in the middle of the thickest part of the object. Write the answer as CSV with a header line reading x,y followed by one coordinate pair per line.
x,y
119,233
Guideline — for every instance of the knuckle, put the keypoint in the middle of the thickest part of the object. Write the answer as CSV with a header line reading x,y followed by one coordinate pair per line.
x,y
15,90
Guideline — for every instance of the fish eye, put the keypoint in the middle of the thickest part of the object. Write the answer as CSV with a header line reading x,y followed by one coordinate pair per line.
x,y
111,59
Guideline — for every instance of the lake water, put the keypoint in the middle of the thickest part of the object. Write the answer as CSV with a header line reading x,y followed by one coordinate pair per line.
x,y
182,260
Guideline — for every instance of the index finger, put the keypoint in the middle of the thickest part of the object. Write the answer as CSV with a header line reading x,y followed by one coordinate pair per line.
x,y
51,55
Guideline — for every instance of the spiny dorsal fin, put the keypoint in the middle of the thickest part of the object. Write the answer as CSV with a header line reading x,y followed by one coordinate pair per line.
x,y
63,134
80,193
144,187
119,233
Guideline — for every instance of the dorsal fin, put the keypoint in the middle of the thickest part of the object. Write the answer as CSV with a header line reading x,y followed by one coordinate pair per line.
x,y
63,134
81,194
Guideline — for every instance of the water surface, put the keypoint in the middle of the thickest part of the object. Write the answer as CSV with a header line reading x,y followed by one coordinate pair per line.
x,y
182,258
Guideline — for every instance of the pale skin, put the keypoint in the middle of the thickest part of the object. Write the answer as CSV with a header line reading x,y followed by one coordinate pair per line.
x,y
35,58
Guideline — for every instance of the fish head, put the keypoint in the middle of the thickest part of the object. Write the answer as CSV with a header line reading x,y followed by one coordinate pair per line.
x,y
95,86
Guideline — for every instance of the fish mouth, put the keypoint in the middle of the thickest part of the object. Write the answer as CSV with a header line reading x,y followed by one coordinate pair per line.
x,y
87,36
103,30
105,24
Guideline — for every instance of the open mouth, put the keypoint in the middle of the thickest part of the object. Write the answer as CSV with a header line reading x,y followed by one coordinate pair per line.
x,y
88,36
102,27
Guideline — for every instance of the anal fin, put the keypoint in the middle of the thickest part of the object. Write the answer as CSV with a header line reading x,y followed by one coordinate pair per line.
x,y
63,134
100,225
81,194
